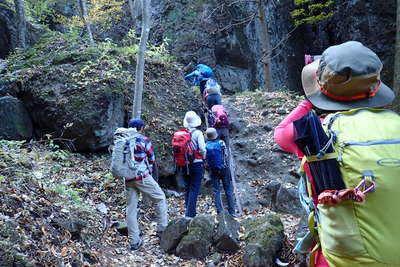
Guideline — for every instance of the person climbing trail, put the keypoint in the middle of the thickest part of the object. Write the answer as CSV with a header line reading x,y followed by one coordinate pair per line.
x,y
218,164
212,94
200,76
140,150
348,160
195,172
218,118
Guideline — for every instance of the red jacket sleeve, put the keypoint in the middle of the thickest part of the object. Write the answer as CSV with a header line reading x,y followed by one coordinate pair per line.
x,y
284,132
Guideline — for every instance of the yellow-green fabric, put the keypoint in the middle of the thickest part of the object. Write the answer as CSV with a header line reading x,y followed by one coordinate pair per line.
x,y
368,233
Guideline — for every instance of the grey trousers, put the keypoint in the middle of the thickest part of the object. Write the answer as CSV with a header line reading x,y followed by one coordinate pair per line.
x,y
149,188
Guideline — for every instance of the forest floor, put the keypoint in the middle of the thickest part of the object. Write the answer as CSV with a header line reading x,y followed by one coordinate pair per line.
x,y
60,208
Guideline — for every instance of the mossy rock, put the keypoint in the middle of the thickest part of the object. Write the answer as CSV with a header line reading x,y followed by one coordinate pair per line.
x,y
264,236
197,242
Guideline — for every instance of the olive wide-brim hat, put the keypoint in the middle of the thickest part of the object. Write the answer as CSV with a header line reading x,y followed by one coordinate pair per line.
x,y
346,76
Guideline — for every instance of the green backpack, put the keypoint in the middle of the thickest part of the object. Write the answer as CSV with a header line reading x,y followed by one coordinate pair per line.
x,y
365,233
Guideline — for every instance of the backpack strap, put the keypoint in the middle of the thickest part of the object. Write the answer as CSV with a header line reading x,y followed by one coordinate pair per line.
x,y
224,154
196,146
326,156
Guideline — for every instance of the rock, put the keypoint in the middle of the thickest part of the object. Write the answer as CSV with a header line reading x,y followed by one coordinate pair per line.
x,y
235,127
122,228
15,121
173,234
227,235
197,242
88,118
71,224
287,200
269,193
251,129
247,195
268,126
252,162
264,238
102,208
281,111
214,259
240,144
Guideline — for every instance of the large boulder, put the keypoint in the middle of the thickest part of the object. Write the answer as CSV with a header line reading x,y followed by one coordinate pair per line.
x,y
197,243
264,238
173,234
84,114
80,93
15,121
227,235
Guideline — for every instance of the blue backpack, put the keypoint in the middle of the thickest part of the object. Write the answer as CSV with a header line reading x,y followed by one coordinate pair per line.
x,y
201,73
205,70
216,156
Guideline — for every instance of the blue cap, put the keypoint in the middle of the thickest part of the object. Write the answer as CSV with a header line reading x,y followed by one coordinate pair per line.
x,y
136,123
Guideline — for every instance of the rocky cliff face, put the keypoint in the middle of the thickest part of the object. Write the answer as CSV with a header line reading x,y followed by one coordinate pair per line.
x,y
225,35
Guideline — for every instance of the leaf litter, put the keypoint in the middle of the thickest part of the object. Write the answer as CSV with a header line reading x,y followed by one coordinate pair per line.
x,y
61,209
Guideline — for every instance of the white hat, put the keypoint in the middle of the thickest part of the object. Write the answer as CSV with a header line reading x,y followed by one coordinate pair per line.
x,y
191,120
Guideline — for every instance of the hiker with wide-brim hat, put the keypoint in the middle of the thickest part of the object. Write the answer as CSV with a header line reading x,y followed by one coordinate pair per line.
x,y
346,77
193,178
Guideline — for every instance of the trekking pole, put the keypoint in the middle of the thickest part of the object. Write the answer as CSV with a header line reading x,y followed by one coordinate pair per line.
x,y
239,206
206,115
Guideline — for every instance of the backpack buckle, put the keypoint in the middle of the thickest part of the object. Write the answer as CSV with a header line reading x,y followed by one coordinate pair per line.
x,y
367,183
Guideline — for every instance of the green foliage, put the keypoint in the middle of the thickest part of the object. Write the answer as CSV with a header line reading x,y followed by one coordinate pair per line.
x,y
6,145
160,53
311,11
40,10
67,193
101,13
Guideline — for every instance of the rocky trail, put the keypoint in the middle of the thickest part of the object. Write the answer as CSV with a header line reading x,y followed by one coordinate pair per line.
x,y
66,209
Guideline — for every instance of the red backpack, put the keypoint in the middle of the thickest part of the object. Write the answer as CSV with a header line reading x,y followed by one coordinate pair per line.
x,y
220,116
182,147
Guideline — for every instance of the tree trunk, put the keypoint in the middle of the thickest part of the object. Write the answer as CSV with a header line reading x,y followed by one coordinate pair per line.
x,y
84,13
396,76
137,104
134,6
20,10
265,49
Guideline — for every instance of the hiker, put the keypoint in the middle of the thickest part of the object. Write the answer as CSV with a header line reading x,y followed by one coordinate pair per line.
x,y
196,167
213,96
217,160
145,184
218,118
343,85
200,76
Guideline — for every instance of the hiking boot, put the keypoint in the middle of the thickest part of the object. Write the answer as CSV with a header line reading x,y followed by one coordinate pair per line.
x,y
137,246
